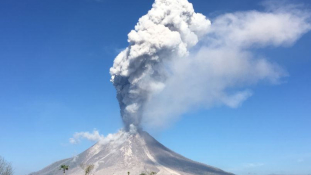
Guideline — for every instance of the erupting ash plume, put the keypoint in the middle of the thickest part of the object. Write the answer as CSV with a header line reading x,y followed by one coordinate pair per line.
x,y
158,78
164,73
169,29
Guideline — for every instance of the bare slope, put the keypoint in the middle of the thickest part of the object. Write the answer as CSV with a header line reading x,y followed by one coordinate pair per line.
x,y
135,153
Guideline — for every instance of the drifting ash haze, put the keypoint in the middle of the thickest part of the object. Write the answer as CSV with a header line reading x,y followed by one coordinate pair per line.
x,y
134,153
178,60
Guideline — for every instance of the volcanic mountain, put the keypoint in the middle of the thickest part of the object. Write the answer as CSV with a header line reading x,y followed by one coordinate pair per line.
x,y
135,153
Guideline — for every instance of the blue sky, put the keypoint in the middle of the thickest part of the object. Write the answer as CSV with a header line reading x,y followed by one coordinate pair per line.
x,y
54,69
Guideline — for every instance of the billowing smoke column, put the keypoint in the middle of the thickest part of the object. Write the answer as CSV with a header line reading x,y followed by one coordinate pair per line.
x,y
158,78
169,29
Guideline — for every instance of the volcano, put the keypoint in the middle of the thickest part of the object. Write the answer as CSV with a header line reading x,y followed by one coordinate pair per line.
x,y
135,153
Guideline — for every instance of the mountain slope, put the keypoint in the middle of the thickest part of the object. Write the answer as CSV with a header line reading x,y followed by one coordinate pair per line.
x,y
135,153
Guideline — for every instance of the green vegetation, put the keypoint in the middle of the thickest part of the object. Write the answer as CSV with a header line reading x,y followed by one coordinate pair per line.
x,y
87,168
64,168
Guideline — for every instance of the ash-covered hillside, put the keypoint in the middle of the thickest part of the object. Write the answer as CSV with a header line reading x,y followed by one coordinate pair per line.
x,y
134,153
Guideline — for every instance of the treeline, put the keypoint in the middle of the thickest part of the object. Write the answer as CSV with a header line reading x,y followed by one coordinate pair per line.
x,y
5,167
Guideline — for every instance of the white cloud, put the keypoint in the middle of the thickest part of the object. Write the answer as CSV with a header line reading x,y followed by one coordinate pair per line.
x,y
253,165
95,136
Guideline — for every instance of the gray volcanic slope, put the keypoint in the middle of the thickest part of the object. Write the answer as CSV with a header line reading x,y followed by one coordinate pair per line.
x,y
135,153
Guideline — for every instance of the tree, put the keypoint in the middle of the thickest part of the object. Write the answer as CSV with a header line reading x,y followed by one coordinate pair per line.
x,y
128,173
87,168
64,168
5,167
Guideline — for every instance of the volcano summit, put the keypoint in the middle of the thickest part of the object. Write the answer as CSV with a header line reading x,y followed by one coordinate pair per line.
x,y
135,153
